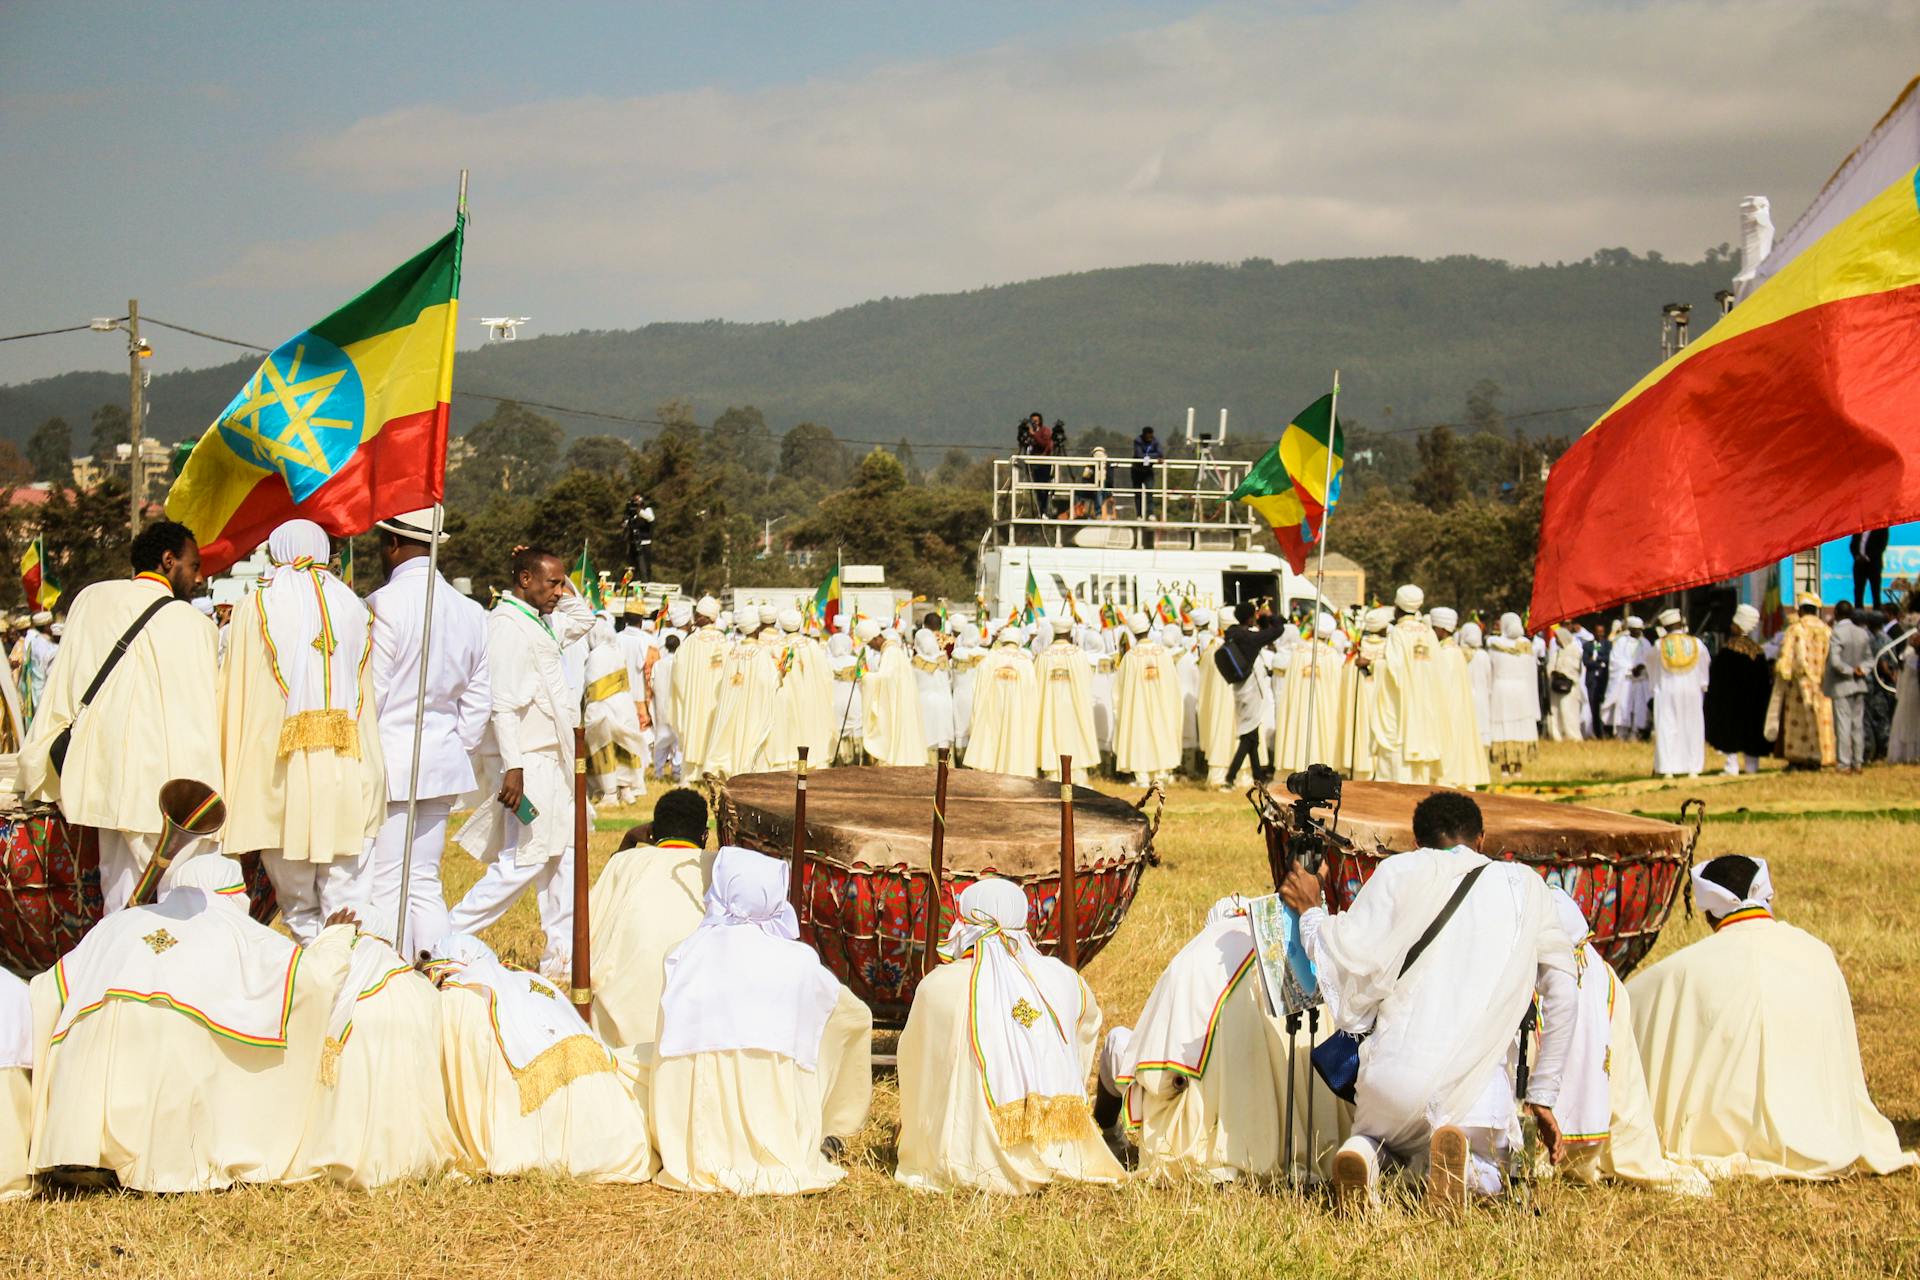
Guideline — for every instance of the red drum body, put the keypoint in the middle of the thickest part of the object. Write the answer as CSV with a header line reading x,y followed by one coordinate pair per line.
x,y
865,884
50,889
1624,871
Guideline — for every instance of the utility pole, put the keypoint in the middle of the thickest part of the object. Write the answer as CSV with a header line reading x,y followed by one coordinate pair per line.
x,y
136,351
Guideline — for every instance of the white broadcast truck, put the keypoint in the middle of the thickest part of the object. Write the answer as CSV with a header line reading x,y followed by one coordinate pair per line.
x,y
1078,525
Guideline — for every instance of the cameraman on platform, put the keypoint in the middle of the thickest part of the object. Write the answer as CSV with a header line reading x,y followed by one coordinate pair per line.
x,y
1434,1085
639,527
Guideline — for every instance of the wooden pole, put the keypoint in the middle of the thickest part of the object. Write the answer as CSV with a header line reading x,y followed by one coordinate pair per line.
x,y
936,862
136,411
794,888
1069,912
582,993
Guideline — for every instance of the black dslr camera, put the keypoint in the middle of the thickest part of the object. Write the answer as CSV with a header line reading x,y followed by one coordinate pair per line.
x,y
1307,838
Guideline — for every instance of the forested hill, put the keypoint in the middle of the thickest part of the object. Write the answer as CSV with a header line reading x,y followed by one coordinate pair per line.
x,y
1115,348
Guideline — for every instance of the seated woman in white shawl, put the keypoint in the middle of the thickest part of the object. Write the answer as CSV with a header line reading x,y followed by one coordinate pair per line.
x,y
994,1061
179,1045
529,1086
1605,1116
764,1059
16,1086
1204,1073
380,1114
1749,1044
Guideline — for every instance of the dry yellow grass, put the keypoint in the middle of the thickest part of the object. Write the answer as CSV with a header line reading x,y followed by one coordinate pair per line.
x,y
1843,877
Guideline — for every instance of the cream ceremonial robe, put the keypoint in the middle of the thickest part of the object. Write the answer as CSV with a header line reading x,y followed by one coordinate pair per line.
x,y
1516,690
151,722
1065,682
965,665
1216,713
744,714
380,1114
1678,674
1752,1058
1294,747
313,804
803,705
751,1121
645,903
168,1105
1146,704
697,673
1215,1108
1480,681
1567,716
948,1141
890,707
1006,714
1353,747
933,680
1408,733
1463,758
590,1126
16,1087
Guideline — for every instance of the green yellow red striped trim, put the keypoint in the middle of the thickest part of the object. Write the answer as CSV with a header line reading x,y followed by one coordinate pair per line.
x,y
973,1007
368,993
148,575
1196,1070
167,1001
1742,916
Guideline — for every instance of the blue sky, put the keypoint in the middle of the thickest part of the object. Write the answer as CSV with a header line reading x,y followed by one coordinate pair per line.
x,y
245,167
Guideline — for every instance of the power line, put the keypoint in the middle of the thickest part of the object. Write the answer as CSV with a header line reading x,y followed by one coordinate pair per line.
x,y
210,337
42,333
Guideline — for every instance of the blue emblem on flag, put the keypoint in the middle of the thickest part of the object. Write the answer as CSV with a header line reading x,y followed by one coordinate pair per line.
x,y
301,413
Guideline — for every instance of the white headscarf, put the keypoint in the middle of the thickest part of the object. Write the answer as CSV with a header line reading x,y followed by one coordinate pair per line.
x,y
1444,618
744,980
1718,900
926,644
303,608
1471,636
198,948
1023,1008
1172,1042
545,1043
1511,627
1232,905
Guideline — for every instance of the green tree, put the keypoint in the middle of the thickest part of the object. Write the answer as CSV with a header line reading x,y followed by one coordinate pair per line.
x,y
582,507
1437,484
110,430
1483,406
812,452
50,451
605,455
740,436
87,536
514,451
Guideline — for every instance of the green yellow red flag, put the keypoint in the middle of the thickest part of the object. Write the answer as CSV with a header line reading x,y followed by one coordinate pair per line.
x,y
1032,606
41,590
826,601
343,424
1292,487
586,580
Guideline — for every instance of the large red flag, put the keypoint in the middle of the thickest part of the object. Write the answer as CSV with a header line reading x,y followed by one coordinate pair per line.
x,y
1794,420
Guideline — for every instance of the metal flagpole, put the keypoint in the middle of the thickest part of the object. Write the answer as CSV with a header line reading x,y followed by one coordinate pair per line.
x,y
1320,575
420,690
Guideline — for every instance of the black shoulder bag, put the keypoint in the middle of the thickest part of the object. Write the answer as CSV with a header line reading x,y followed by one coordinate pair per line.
x,y
1337,1058
57,754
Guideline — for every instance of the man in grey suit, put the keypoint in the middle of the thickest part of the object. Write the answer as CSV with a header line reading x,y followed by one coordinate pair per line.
x,y
1849,660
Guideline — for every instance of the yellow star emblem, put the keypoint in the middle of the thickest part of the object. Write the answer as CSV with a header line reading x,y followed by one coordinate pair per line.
x,y
301,399
1025,1014
160,940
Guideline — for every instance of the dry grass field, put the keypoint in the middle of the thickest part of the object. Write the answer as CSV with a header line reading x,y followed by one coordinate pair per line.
x,y
1843,855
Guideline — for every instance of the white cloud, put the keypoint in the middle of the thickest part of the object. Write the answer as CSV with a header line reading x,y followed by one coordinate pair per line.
x,y
1530,131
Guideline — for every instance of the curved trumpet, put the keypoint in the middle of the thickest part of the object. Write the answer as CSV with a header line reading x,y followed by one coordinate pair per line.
x,y
188,811
1890,657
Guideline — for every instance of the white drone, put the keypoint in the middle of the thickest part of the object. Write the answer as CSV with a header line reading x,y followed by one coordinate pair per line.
x,y
502,328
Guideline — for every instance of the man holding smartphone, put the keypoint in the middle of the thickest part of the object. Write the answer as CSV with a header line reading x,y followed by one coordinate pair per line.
x,y
525,838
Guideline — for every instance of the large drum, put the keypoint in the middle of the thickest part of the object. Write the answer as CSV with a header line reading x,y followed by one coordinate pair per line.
x,y
867,875
1624,871
50,888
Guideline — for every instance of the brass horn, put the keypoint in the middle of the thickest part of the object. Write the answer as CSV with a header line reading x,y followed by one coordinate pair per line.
x,y
188,811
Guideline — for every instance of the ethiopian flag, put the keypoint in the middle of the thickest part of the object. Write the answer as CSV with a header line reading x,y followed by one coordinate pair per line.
x,y
344,423
42,591
1033,606
586,580
1291,487
1788,423
826,601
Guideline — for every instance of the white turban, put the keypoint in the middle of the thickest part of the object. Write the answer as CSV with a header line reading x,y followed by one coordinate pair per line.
x,y
1043,630
1409,598
1378,620
1746,619
43,618
744,980
866,630
680,614
219,876
1203,618
790,619
1011,633
204,604
1669,618
1472,637
707,607
1228,616
1511,628
1444,618
1137,622
1718,900
839,645
1634,622
1323,626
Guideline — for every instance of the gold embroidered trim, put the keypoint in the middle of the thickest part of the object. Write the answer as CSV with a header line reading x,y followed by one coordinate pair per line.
x,y
330,1062
1679,653
1043,1121
160,940
929,664
558,1067
331,729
